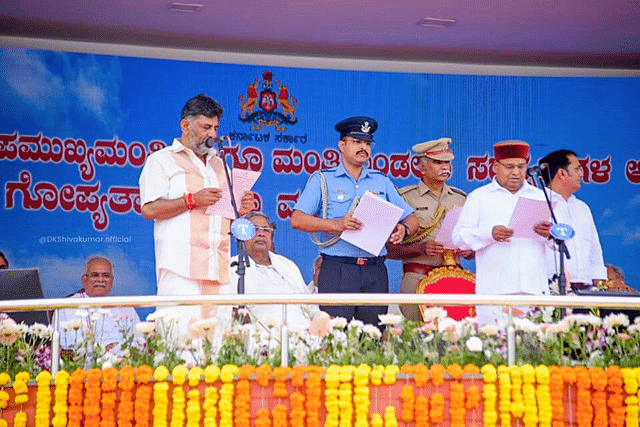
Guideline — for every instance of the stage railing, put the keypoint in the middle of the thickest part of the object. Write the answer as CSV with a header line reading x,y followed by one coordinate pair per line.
x,y
617,302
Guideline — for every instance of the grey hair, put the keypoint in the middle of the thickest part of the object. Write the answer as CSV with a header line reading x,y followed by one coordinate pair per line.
x,y
271,224
617,271
96,257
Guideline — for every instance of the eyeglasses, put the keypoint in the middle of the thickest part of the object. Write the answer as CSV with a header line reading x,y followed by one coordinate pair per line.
x,y
96,275
361,142
511,168
267,230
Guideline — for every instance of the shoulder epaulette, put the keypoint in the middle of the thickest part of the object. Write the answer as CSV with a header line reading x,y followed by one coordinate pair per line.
x,y
459,191
408,188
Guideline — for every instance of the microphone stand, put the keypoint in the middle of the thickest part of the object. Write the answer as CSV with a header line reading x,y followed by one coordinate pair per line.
x,y
562,247
243,257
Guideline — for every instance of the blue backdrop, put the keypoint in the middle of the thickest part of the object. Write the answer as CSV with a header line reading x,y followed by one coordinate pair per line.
x,y
75,130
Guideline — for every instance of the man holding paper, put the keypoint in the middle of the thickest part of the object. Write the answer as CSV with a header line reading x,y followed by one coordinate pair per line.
x,y
177,185
431,198
333,195
505,264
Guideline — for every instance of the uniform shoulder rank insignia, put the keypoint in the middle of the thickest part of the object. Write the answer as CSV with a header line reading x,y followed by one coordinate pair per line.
x,y
408,188
459,191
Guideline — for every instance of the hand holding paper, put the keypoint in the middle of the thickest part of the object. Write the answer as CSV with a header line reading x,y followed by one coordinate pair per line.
x,y
446,229
527,214
243,180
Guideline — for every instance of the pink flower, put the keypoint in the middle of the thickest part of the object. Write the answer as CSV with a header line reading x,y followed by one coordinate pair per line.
x,y
8,331
320,325
623,336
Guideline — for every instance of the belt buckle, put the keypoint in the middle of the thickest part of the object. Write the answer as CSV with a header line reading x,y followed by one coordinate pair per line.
x,y
362,261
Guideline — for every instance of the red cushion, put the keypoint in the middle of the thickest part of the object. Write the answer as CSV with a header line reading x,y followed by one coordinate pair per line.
x,y
454,285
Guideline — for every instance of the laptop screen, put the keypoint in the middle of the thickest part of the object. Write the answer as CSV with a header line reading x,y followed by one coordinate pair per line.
x,y
23,283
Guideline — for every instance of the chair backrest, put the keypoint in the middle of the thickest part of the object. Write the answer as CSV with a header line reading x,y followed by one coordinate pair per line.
x,y
450,280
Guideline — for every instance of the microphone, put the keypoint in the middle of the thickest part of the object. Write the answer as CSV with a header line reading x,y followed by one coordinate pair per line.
x,y
213,142
537,170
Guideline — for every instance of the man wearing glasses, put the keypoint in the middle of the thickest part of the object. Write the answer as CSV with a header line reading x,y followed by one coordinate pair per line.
x,y
270,273
345,267
97,281
504,264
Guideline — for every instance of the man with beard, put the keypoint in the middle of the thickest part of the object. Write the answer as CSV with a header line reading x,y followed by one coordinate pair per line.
x,y
345,267
177,185
431,198
270,273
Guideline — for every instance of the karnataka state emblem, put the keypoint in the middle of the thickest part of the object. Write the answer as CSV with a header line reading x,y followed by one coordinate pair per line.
x,y
274,108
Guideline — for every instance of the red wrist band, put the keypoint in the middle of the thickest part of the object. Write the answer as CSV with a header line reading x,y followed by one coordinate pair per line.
x,y
188,199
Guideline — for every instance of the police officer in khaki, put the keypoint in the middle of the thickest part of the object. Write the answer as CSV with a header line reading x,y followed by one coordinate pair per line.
x,y
430,198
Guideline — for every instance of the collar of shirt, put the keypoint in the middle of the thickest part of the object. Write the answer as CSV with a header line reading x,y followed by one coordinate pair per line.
x,y
340,170
557,197
526,188
178,146
423,189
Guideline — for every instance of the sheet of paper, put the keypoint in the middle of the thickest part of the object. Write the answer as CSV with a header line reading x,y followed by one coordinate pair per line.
x,y
379,218
243,180
527,214
446,228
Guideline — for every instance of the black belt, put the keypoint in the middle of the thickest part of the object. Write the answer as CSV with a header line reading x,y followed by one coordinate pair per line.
x,y
354,260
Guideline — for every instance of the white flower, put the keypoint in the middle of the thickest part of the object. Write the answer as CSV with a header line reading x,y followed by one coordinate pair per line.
x,y
164,314
615,319
356,324
525,325
104,312
474,344
41,331
372,331
389,319
81,313
434,313
74,324
95,317
338,323
634,329
145,327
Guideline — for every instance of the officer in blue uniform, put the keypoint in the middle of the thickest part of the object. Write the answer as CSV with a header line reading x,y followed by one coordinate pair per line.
x,y
345,267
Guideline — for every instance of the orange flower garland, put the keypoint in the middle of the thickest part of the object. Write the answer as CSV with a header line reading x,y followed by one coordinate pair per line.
x,y
263,375
437,374
92,395
420,375
473,397
599,396
408,404
280,416
43,399
143,396
422,411
60,403
437,408
616,398
296,401
313,392
263,417
457,412
556,388
279,387
126,385
76,395
584,410
109,385
242,399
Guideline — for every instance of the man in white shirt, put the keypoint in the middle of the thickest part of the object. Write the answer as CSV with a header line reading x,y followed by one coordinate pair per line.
x,y
563,177
177,185
270,273
504,264
108,325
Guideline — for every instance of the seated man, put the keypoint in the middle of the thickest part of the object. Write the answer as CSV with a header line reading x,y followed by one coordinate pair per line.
x,y
108,324
270,273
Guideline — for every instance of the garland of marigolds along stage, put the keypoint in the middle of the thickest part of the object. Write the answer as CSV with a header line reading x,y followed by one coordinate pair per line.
x,y
533,396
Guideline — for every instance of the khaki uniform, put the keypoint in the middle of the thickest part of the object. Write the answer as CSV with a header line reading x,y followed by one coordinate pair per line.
x,y
425,205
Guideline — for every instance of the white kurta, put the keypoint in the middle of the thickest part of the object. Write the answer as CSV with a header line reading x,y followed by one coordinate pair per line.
x,y
192,244
586,263
516,266
281,277
108,328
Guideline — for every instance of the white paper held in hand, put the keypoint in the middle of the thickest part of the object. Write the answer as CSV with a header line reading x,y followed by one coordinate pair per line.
x,y
379,218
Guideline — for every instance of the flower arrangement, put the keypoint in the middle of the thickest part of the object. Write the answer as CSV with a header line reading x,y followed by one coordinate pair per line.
x,y
24,348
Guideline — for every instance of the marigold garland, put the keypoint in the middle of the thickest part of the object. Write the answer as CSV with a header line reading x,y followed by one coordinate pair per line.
x,y
457,412
504,387
361,399
421,375
20,388
584,410
92,395
345,396
76,398
490,416
376,375
210,404
193,397
390,372
390,419
297,376
297,415
530,418
279,386
332,383
126,385
616,398
543,395
160,398
60,399
437,374
178,404
143,396
517,402
242,402
225,402
279,414
630,380
313,392
263,417
408,404
263,375
376,420
43,399
422,411
473,397
556,387
599,396
108,400
437,408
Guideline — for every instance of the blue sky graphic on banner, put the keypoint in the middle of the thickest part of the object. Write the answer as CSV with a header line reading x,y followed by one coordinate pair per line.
x,y
75,130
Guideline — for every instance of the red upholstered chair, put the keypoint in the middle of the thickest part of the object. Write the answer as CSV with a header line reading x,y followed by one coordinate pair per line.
x,y
450,279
